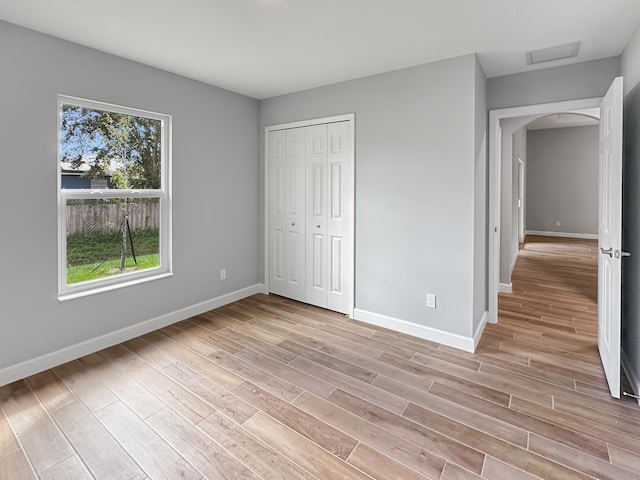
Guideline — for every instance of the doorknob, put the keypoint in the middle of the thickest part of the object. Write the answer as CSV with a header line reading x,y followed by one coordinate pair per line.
x,y
607,252
293,224
317,226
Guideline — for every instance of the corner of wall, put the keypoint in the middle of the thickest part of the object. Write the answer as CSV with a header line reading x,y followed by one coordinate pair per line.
x,y
421,331
477,335
633,375
630,63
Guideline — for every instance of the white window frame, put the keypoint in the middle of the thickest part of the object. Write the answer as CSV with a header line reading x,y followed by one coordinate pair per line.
x,y
67,292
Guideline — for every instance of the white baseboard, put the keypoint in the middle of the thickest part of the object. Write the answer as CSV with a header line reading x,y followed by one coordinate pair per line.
x,y
586,236
53,359
416,330
506,288
631,373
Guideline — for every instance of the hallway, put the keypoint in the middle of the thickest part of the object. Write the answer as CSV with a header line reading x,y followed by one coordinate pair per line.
x,y
550,319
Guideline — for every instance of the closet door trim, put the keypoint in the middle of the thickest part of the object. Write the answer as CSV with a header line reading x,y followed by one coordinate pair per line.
x,y
350,267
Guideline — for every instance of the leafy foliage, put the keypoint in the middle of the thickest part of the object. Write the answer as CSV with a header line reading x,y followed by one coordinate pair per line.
x,y
126,146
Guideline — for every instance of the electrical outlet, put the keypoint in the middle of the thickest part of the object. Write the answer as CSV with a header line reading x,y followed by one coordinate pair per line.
x,y
557,223
431,300
223,274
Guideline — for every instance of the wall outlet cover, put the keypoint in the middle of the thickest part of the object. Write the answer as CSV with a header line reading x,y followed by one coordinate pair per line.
x,y
431,300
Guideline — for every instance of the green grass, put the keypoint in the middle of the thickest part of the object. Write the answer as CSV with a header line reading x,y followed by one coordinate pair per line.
x,y
87,248
92,256
82,273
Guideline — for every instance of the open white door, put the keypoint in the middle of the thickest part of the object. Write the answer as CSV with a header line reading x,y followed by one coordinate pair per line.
x,y
610,234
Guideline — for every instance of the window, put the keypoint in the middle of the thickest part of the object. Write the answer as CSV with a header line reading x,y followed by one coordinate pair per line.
x,y
114,210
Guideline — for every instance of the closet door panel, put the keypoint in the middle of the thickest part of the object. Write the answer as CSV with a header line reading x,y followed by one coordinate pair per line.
x,y
340,179
277,212
317,212
295,262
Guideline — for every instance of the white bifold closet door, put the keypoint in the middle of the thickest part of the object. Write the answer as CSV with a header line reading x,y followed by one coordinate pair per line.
x,y
310,214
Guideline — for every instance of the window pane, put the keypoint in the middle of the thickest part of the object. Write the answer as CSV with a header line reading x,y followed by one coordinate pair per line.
x,y
107,237
102,149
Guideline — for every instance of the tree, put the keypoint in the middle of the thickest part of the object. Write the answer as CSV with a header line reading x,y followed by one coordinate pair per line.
x,y
125,147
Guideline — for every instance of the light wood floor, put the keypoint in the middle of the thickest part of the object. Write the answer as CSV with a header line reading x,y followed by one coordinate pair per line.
x,y
270,388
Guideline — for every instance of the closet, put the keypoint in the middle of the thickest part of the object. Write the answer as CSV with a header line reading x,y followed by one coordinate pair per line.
x,y
310,214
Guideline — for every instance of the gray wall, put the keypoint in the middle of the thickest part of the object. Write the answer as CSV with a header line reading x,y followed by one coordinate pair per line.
x,y
568,82
562,180
215,192
631,213
513,144
415,150
480,251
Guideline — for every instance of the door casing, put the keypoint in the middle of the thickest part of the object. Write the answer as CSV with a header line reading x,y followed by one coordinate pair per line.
x,y
521,200
495,159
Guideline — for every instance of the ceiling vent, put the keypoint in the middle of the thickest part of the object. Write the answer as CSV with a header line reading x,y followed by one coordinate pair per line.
x,y
559,52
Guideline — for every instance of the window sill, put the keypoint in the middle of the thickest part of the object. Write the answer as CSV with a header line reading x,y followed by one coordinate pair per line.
x,y
63,297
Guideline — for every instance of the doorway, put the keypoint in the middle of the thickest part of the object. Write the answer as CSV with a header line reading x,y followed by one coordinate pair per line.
x,y
496,178
609,216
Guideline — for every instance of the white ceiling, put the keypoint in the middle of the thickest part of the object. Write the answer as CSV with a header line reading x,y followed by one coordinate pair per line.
x,y
264,48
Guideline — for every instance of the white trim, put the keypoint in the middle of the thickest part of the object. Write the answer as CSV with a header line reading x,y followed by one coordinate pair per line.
x,y
53,359
632,375
495,142
478,334
347,117
97,105
421,331
587,236
163,194
505,288
522,208
114,286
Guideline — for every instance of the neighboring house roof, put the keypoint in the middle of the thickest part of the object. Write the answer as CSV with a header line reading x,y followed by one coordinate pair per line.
x,y
72,168
68,168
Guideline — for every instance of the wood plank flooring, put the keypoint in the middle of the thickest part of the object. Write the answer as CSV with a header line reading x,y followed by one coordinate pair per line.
x,y
268,388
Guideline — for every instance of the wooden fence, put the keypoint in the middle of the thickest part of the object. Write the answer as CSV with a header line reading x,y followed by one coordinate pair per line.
x,y
106,218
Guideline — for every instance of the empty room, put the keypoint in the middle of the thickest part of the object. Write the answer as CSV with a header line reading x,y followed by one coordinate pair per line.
x,y
281,239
